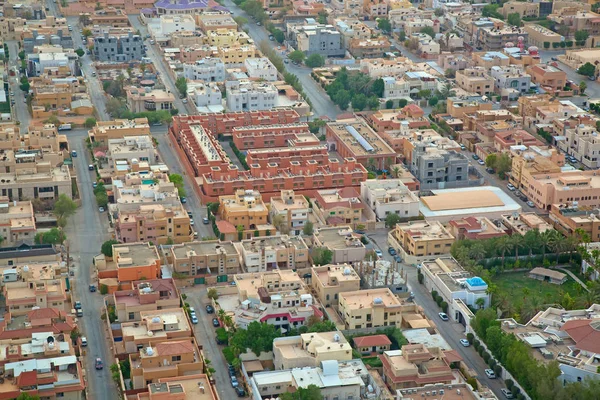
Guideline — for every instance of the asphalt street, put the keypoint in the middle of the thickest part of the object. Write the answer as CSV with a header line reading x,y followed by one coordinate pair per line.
x,y
21,113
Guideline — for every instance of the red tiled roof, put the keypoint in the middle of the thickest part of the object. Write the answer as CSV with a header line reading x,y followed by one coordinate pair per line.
x,y
226,227
27,378
452,356
369,341
585,333
43,313
174,348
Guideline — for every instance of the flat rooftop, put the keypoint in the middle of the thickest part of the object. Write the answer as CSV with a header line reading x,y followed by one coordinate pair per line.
x,y
201,248
367,298
135,254
337,238
333,275
360,138
274,242
425,230
274,281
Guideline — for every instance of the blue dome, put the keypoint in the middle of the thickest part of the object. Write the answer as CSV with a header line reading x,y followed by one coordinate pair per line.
x,y
476,281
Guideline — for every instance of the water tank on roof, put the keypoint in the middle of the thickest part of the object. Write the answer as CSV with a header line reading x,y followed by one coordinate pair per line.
x,y
156,320
377,300
149,351
347,271
26,268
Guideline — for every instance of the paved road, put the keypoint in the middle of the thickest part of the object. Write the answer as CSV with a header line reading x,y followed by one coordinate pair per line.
x,y
86,231
322,105
452,332
21,112
205,334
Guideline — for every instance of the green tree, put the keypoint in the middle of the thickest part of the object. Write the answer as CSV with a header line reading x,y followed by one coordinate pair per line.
x,y
342,99
308,228
181,85
433,101
438,12
402,103
322,17
27,396
297,56
503,165
102,199
373,103
315,60
53,236
87,32
491,160
402,36
64,208
322,256
587,69
514,19
582,87
177,180
450,73
22,54
80,52
428,30
213,294
581,36
258,338
378,87
384,24
107,247
391,220
240,21
359,102
90,122
278,35
389,104
312,392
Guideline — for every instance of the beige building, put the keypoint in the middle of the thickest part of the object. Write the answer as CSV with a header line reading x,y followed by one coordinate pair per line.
x,y
346,247
534,161
17,222
145,99
42,181
154,222
205,258
421,239
328,281
538,35
245,208
268,253
118,129
475,80
189,387
22,296
294,210
149,295
563,187
371,308
522,223
583,143
523,9
310,349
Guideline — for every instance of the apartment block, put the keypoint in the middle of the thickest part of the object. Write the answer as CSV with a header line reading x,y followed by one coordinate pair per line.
x,y
328,281
155,223
583,143
261,68
189,387
346,247
146,99
369,48
313,38
118,129
41,181
201,258
458,106
108,16
491,38
513,78
352,28
22,296
294,210
299,150
310,349
339,206
475,80
422,239
132,148
135,190
535,160
268,253
226,37
206,69
17,222
563,187
521,223
435,167
389,196
254,137
548,77
504,141
122,48
538,35
355,138
371,308
250,96
474,228
523,9
245,208
135,261
148,295
165,359
206,96
48,58
202,149
49,319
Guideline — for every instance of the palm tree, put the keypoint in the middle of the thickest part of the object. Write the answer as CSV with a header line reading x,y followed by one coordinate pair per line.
x,y
557,244
480,302
530,307
587,298
516,242
531,240
503,245
545,240
396,172
477,252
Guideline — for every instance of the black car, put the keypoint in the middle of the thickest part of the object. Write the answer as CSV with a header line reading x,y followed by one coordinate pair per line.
x,y
209,309
240,391
216,323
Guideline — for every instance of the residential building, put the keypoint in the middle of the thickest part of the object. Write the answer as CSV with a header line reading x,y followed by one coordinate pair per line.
x,y
427,46
389,196
538,35
148,295
475,80
278,297
504,141
489,59
474,228
206,96
328,281
204,258
17,222
368,345
313,38
342,379
513,78
34,272
457,286
277,252
135,189
458,107
135,261
207,69
146,99
395,120
310,349
437,168
535,160
254,137
41,181
122,48
521,223
294,210
523,9
153,222
245,209
22,296
189,387
165,359
583,143
180,7
51,57
355,138
215,20
352,28
421,239
250,96
108,16
416,365
118,129
548,77
563,187
132,148
169,24
371,308
369,48
346,247
36,345
496,38
299,151
261,68
227,38
569,218
339,206
49,319
375,8
26,254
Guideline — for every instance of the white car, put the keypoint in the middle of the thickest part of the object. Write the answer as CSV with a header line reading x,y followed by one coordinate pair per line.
x,y
490,373
511,187
443,316
507,393
465,342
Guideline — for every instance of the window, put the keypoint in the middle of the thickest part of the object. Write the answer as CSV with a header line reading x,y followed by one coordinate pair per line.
x,y
176,358
131,315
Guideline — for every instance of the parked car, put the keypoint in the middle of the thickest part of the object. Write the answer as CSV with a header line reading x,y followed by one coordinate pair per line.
x,y
234,382
191,222
392,251
94,185
481,162
475,157
77,305
205,221
92,288
530,203
194,319
210,309
379,253
397,258
443,316
554,59
463,147
465,342
216,323
90,167
83,341
490,373
507,393
183,200
98,363
101,209
490,170
511,187
240,391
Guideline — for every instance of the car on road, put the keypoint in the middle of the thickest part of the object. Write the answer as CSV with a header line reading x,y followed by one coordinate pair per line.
x,y
94,185
465,342
592,78
73,153
234,382
490,373
191,222
379,253
231,369
98,363
554,59
194,319
189,213
481,162
397,258
92,288
490,170
91,167
184,101
518,193
83,341
210,309
511,187
295,62
101,209
286,61
392,251
507,393
443,316
183,200
475,157
77,305
240,391
93,73
216,323
463,147
205,221
530,203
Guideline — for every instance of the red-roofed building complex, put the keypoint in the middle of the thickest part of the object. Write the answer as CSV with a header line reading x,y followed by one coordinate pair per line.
x,y
474,228
372,344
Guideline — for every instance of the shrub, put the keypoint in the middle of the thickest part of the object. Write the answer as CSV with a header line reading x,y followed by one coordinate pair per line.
x,y
486,357
434,294
472,382
470,337
444,306
515,390
509,384
497,370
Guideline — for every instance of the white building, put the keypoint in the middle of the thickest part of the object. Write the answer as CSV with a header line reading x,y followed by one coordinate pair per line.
x,y
206,69
395,88
261,68
250,96
130,148
427,45
175,23
206,96
293,208
511,77
389,196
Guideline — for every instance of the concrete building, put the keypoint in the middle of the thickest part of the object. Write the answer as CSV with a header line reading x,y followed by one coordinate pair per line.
x,y
371,308
310,349
189,387
475,80
523,9
254,137
421,240
389,196
180,7
245,209
535,161
496,38
132,148
328,281
313,38
122,48
118,129
346,247
206,69
268,253
513,78
474,228
368,345
567,219
146,99
250,96
136,260
261,68
205,258
562,188
355,138
22,296
438,168
521,223
155,223
550,78
149,295
339,206
369,48
293,208
583,143
206,96
17,222
538,35
41,181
